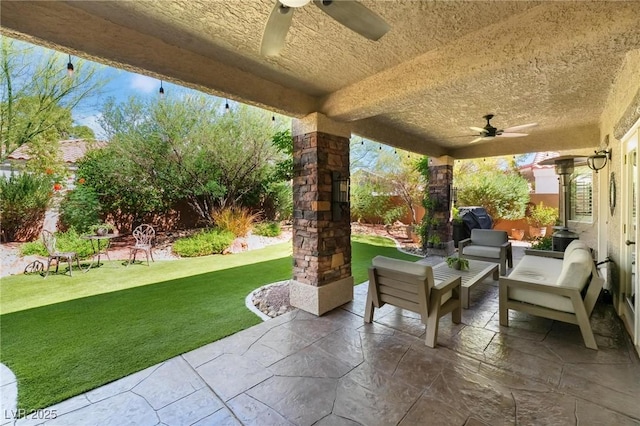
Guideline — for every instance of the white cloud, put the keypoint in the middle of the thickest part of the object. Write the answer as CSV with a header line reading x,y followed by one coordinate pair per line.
x,y
143,83
92,121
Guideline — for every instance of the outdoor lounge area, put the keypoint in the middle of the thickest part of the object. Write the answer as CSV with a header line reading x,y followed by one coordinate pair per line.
x,y
337,370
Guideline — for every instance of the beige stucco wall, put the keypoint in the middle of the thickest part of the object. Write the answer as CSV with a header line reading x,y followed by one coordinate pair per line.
x,y
625,89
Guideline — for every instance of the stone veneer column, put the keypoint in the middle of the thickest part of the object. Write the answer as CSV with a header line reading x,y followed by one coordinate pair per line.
x,y
440,184
322,277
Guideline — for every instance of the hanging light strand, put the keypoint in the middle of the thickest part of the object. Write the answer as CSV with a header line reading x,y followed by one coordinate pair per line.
x,y
70,67
161,91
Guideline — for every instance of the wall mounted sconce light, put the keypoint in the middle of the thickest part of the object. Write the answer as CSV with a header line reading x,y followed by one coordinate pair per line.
x,y
70,68
339,195
599,159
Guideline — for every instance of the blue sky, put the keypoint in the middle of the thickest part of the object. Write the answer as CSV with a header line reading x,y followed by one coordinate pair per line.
x,y
121,85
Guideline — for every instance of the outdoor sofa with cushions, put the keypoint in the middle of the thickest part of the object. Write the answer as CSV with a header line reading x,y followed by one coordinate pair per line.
x,y
488,245
410,285
555,285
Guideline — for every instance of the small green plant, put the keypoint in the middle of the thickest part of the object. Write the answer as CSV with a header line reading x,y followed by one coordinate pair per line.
x,y
435,240
542,216
455,262
238,220
455,215
542,243
267,229
204,243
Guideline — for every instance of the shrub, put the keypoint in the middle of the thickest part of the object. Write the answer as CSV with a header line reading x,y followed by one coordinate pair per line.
x,y
542,215
80,209
203,243
542,243
23,201
65,241
238,220
394,214
267,229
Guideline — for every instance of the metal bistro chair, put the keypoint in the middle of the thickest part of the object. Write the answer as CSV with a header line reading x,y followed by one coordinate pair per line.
x,y
144,236
49,241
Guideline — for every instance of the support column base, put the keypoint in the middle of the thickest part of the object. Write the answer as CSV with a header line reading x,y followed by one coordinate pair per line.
x,y
320,300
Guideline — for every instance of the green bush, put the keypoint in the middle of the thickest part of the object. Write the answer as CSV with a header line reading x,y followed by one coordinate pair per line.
x,y
23,201
80,209
267,229
394,214
542,243
238,220
203,243
33,248
65,241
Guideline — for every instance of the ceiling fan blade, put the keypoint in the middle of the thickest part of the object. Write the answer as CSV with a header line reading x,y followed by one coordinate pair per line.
x,y
516,129
477,140
276,30
356,17
511,135
478,129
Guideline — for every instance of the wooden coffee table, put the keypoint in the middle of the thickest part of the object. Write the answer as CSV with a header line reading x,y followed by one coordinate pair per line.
x,y
477,272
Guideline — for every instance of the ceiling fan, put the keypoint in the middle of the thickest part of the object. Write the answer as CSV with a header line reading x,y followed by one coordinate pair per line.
x,y
349,13
489,132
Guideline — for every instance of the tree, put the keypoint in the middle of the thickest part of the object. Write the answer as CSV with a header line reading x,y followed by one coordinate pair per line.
x,y
494,184
37,96
395,170
189,149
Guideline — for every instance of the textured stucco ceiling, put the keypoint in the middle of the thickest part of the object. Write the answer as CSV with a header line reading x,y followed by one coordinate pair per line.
x,y
441,67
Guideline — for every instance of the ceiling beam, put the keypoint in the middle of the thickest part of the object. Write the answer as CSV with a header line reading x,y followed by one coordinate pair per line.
x,y
64,27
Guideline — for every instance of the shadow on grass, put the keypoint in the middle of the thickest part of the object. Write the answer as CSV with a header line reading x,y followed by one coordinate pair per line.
x,y
60,350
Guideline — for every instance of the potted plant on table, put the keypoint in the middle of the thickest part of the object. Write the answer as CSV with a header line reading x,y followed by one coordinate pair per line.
x,y
539,218
102,229
454,262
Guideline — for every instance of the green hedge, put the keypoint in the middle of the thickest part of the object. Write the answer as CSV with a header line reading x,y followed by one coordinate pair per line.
x,y
203,243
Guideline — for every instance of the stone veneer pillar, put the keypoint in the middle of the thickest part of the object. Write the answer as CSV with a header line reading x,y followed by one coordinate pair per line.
x,y
440,184
322,277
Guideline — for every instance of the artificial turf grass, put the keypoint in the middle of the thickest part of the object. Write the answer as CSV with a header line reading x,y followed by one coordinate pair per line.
x,y
59,350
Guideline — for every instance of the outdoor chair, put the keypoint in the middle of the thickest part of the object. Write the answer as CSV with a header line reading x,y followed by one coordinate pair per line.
x,y
49,241
488,245
410,286
144,237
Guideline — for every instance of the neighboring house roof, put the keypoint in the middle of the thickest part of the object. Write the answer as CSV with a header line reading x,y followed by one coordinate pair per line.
x,y
70,150
540,156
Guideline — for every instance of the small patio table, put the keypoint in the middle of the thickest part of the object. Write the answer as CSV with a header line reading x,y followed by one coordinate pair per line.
x,y
478,271
100,245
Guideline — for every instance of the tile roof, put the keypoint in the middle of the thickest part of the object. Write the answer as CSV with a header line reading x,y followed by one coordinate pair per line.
x,y
70,150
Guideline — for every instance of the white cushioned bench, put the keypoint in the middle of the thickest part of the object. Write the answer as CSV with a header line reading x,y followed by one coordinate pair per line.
x,y
559,286
410,285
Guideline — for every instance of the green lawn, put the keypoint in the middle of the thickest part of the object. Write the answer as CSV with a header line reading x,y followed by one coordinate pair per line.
x,y
63,336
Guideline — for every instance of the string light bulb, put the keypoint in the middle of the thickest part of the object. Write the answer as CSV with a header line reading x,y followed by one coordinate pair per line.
x,y
161,91
70,68
226,105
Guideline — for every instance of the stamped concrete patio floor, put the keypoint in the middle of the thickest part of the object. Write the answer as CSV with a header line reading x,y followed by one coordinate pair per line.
x,y
335,370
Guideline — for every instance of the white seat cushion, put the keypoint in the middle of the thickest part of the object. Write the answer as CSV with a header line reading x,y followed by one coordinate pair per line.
x,y
413,268
573,271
